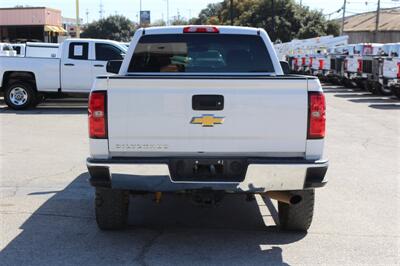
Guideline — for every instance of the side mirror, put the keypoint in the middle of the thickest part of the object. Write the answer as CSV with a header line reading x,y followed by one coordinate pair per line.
x,y
285,67
113,66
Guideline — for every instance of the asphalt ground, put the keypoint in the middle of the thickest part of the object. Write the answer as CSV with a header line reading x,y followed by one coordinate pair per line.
x,y
47,214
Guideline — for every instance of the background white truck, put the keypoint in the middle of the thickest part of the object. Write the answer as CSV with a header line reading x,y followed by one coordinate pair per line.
x,y
391,68
34,49
6,49
206,111
26,80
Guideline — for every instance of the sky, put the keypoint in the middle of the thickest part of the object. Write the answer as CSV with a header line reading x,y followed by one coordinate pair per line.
x,y
186,8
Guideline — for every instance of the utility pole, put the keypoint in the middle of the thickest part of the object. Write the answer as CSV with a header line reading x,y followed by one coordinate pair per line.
x,y
87,16
273,17
78,28
378,11
231,12
343,16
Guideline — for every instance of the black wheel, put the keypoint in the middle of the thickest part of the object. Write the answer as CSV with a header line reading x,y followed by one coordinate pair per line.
x,y
297,217
20,95
382,90
371,87
349,84
396,91
359,84
111,207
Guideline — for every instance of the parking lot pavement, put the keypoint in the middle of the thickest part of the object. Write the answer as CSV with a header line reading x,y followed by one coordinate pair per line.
x,y
47,216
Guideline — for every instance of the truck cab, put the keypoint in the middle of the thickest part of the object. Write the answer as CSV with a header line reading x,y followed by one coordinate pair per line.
x,y
83,60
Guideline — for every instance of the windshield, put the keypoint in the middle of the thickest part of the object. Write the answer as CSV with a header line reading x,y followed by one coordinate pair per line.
x,y
201,53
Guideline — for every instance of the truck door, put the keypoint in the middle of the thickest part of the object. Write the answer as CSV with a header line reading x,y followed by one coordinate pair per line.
x,y
103,53
76,68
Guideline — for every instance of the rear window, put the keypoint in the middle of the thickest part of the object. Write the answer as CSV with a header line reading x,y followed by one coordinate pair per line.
x,y
201,53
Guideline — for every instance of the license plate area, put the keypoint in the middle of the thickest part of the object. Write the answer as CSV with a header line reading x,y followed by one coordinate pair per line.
x,y
208,170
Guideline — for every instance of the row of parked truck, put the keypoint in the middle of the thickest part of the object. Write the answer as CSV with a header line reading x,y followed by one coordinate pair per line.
x,y
370,66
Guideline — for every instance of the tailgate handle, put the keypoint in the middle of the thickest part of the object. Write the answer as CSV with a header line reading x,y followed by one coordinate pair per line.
x,y
208,102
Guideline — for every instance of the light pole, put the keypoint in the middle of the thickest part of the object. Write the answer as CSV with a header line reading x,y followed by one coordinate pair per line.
x,y
140,13
78,28
167,12
167,22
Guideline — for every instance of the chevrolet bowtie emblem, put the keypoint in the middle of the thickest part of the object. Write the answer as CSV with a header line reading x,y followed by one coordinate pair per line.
x,y
207,120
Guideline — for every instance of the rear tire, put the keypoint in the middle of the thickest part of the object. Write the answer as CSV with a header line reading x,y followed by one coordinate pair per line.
x,y
20,95
297,217
382,90
396,91
111,207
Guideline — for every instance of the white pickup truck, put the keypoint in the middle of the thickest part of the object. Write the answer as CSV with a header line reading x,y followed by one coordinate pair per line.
x,y
26,80
35,49
205,110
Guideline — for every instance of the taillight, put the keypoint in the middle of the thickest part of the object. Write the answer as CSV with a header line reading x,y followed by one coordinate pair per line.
x,y
203,29
316,115
321,64
398,70
303,61
97,115
360,65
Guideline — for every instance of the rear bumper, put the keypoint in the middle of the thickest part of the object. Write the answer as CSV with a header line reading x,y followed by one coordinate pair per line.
x,y
153,175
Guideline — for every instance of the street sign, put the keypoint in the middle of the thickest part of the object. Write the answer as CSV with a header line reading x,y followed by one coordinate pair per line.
x,y
145,17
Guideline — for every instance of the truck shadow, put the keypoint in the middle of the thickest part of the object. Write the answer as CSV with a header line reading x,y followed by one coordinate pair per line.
x,y
361,96
175,232
69,106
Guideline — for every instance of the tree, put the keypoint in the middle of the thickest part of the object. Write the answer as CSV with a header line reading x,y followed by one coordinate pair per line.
x,y
116,27
210,13
158,23
282,19
179,21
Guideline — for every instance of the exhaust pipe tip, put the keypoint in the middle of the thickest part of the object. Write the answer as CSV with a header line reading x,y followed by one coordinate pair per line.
x,y
285,196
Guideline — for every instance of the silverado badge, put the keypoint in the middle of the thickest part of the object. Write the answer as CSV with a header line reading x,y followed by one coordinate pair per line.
x,y
207,120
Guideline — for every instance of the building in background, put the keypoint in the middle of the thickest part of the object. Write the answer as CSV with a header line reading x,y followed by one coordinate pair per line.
x,y
361,27
69,24
22,24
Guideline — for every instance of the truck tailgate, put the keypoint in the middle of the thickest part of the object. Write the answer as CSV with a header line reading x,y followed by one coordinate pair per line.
x,y
261,116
